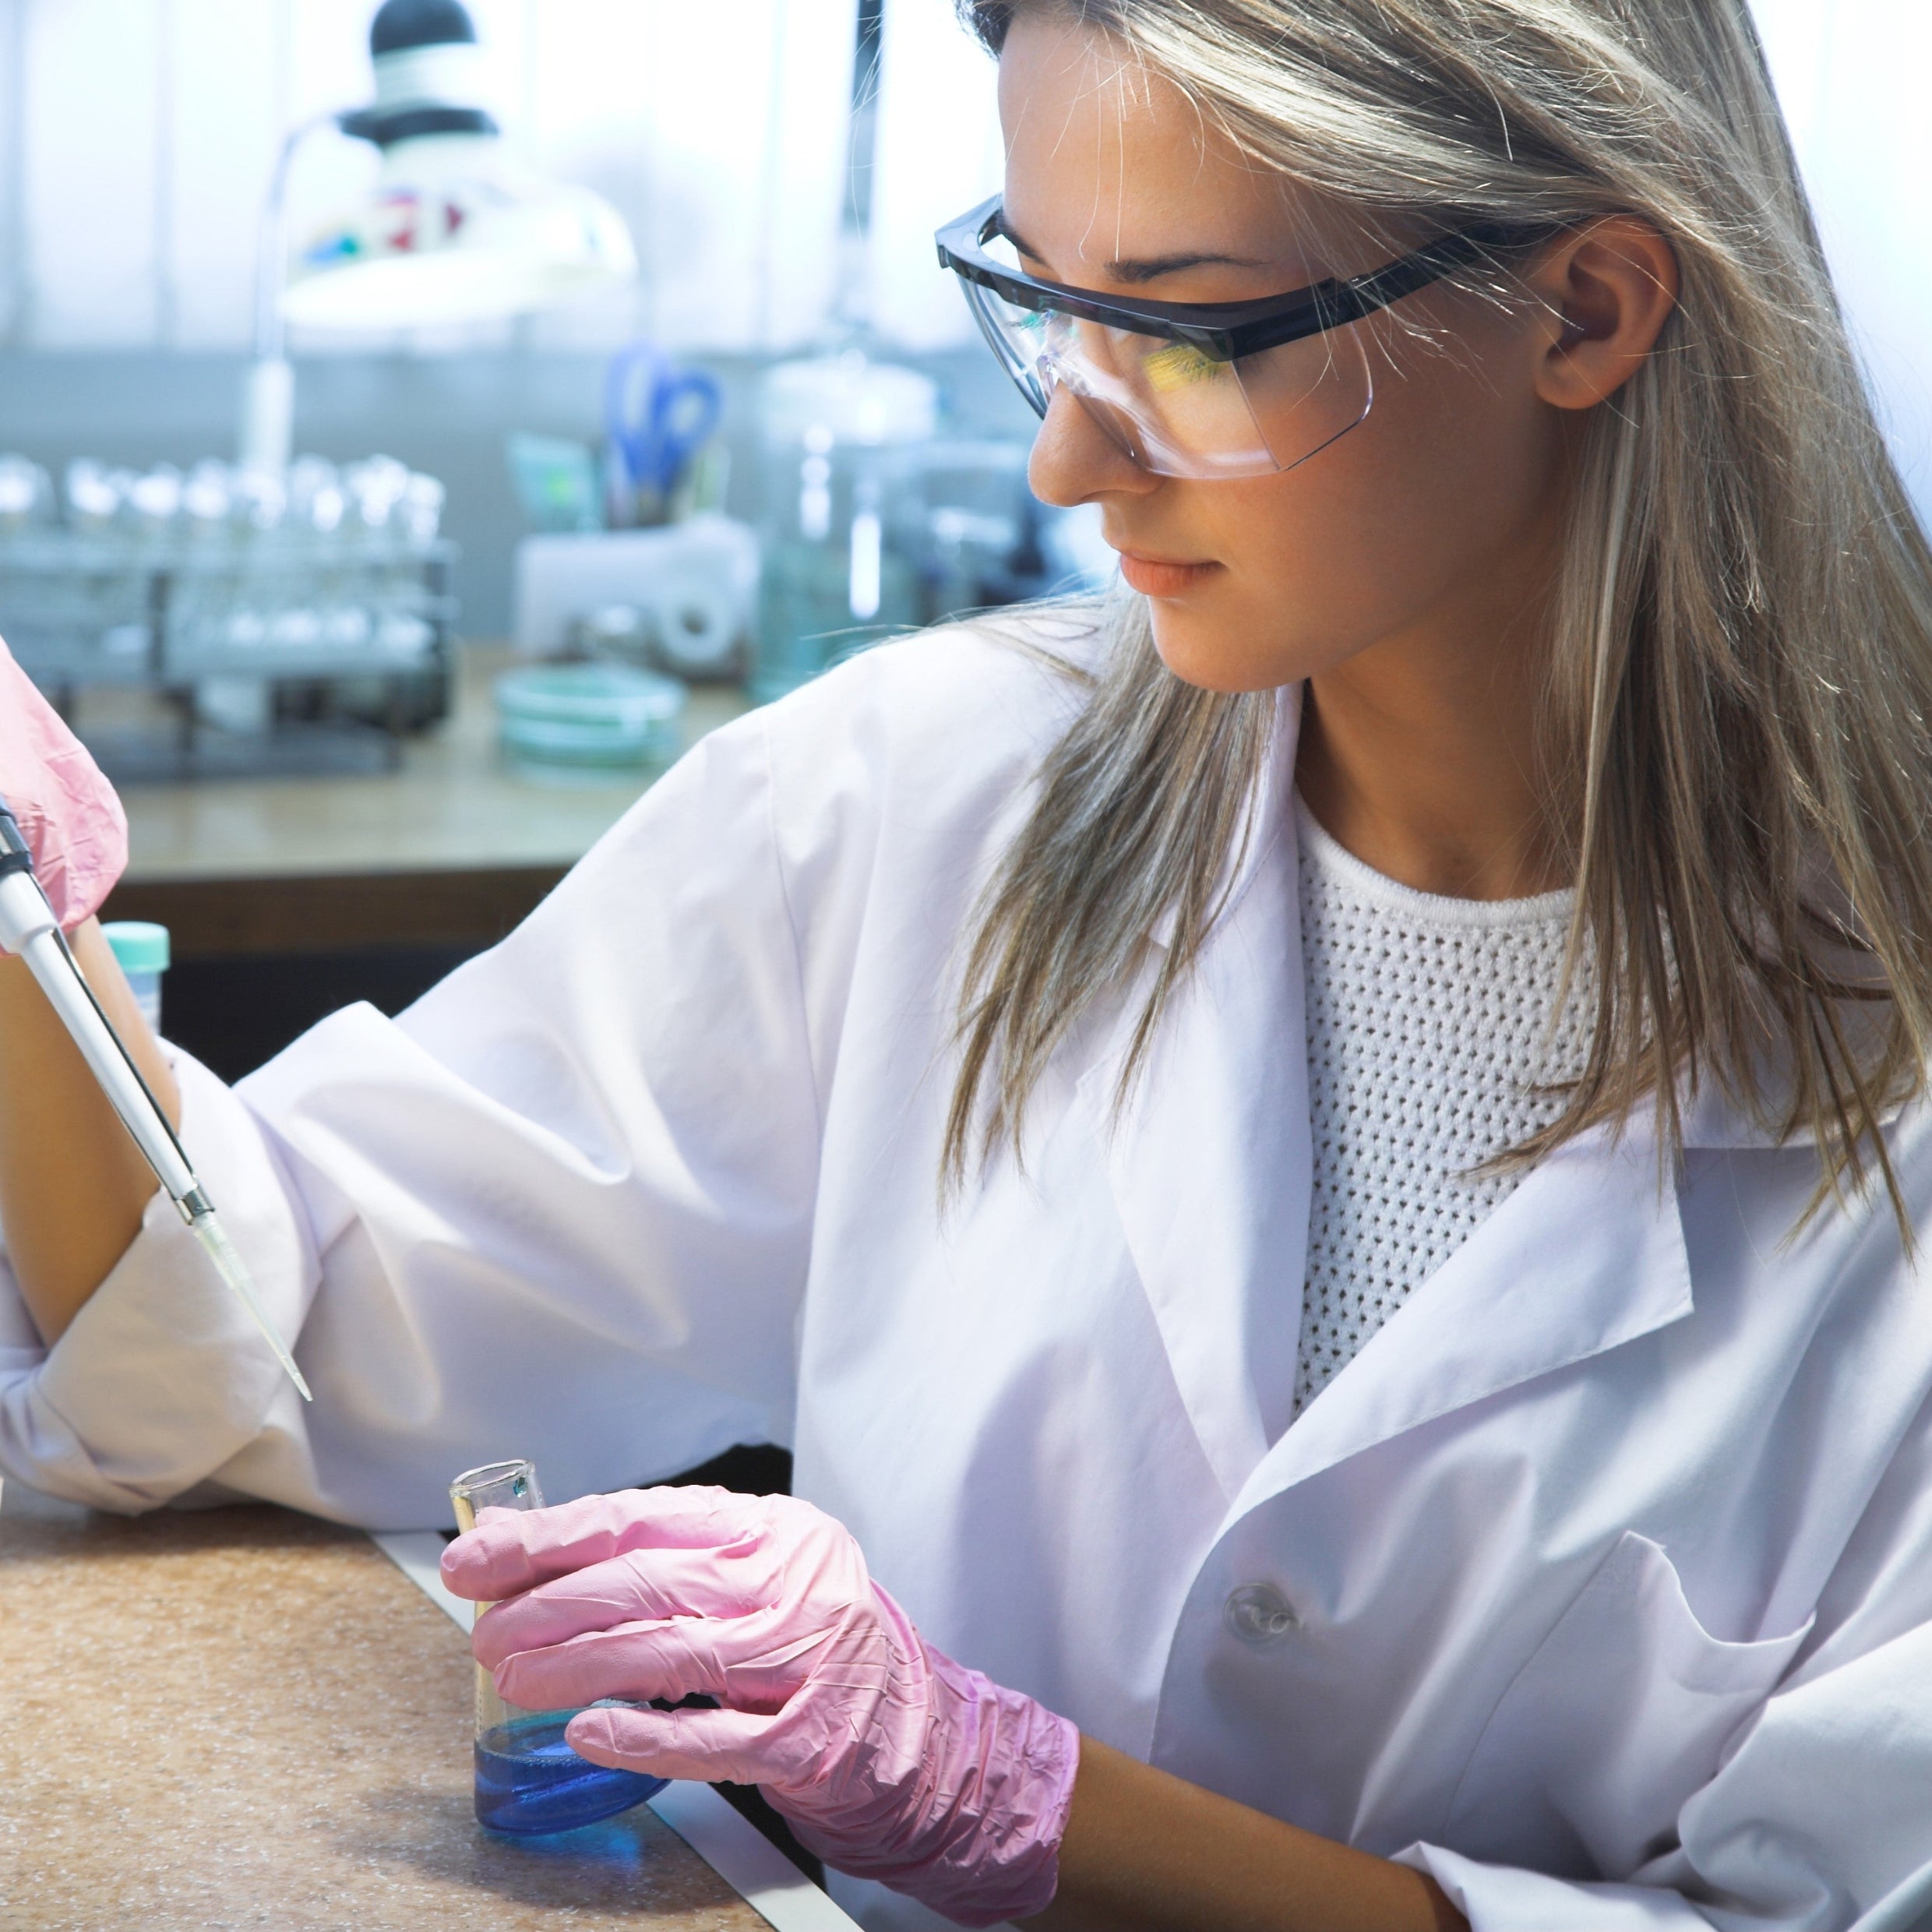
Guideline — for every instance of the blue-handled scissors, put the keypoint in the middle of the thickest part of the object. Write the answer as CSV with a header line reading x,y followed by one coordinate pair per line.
x,y
658,416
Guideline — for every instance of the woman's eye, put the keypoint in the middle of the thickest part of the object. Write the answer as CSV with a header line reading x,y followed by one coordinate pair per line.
x,y
1178,365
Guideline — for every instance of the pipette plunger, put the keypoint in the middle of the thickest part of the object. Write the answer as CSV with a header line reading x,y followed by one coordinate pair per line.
x,y
29,928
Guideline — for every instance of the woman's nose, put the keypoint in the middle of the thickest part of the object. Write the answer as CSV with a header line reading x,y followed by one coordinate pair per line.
x,y
1074,461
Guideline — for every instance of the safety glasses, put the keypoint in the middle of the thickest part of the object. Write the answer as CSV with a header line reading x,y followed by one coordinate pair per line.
x,y
1202,389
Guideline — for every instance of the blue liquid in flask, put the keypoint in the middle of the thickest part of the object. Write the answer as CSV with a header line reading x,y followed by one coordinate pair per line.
x,y
528,1780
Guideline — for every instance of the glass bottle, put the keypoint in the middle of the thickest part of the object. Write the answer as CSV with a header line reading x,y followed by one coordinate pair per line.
x,y
528,1780
840,511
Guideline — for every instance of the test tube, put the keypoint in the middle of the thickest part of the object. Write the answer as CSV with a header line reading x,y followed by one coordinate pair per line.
x,y
528,1780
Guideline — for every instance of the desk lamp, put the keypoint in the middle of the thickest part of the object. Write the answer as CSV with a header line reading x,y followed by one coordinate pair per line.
x,y
456,229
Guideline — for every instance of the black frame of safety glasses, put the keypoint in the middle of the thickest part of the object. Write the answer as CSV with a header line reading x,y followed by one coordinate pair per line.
x,y
1224,332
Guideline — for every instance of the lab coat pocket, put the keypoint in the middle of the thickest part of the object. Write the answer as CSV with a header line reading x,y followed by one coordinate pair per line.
x,y
1624,1710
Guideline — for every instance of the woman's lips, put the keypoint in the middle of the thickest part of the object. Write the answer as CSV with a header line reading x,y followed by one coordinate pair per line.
x,y
1151,577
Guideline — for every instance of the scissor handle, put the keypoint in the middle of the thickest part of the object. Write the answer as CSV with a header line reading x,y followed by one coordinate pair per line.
x,y
685,409
657,414
627,416
700,388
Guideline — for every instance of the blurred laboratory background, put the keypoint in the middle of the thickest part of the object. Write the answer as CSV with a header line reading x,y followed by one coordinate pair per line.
x,y
419,424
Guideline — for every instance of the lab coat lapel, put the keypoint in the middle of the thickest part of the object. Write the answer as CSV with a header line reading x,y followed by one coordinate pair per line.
x,y
1209,1160
1586,1254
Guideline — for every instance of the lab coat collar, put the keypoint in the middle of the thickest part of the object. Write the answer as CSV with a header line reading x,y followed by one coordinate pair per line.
x,y
1711,1118
1587,1254
1207,1161
1209,1165
1271,813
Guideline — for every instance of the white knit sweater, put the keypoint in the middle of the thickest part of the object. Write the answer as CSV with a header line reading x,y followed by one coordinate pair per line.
x,y
1428,1038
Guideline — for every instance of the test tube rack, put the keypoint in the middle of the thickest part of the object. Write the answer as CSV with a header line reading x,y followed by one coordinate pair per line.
x,y
346,643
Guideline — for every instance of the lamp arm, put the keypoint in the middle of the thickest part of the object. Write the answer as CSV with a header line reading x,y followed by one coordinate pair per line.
x,y
271,264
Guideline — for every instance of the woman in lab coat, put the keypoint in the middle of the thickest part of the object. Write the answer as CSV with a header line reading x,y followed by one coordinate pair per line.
x,y
1319,1166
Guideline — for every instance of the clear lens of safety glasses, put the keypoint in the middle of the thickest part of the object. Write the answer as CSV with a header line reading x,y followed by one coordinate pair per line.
x,y
1175,410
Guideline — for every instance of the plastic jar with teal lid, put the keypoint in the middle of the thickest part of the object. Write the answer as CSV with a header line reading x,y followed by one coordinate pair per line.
x,y
140,948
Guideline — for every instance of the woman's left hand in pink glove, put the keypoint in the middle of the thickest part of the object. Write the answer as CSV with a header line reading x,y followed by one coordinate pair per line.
x,y
892,1761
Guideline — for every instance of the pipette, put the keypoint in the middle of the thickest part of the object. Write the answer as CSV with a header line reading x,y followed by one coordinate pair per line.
x,y
29,928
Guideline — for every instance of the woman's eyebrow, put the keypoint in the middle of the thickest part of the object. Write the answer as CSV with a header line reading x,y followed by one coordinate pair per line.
x,y
1149,268
1152,267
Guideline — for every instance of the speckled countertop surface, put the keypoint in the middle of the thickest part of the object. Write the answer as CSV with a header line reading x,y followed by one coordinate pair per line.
x,y
244,1718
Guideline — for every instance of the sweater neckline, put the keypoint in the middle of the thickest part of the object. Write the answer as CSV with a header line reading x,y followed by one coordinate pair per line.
x,y
1424,908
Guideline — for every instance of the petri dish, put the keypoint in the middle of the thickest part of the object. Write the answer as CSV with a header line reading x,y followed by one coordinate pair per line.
x,y
588,717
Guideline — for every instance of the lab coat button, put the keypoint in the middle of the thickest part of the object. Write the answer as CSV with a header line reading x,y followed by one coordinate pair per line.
x,y
1258,1613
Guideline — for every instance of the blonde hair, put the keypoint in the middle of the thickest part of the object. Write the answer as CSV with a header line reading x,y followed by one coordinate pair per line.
x,y
1740,673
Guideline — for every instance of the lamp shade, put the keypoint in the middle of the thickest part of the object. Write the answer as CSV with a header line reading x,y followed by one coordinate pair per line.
x,y
456,231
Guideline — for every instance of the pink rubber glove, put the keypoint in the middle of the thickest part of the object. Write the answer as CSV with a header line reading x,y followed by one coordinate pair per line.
x,y
72,818
892,1761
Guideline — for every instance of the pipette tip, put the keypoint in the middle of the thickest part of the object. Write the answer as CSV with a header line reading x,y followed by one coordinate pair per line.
x,y
227,1259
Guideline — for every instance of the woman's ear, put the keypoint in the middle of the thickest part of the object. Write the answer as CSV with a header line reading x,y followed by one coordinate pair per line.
x,y
1608,290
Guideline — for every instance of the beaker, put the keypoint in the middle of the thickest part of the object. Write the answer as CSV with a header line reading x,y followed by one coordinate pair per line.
x,y
528,1780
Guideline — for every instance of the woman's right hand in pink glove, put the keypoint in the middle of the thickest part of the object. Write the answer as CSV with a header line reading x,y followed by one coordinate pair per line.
x,y
72,820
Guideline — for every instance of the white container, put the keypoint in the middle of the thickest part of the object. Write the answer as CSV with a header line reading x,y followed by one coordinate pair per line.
x,y
696,581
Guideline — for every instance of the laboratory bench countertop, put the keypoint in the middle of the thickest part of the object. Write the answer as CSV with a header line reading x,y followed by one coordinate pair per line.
x,y
243,1717
453,846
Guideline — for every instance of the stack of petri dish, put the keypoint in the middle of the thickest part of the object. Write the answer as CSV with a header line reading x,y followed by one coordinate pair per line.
x,y
587,720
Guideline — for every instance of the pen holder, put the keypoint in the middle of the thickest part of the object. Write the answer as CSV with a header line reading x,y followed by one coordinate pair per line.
x,y
528,1780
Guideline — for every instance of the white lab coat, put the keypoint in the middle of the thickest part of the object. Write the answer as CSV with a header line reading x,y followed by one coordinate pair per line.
x,y
1598,1584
